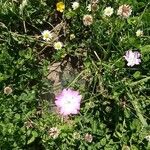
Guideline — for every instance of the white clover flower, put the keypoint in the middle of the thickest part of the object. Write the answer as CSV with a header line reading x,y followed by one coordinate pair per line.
x,y
87,20
7,90
124,11
132,58
139,33
76,135
108,11
147,138
88,137
58,45
75,5
89,7
72,36
47,35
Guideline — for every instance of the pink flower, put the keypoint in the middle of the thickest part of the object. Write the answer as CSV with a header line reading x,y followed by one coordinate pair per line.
x,y
68,102
132,58
124,11
88,137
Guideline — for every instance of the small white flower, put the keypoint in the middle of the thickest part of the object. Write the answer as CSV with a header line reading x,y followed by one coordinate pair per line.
x,y
89,7
76,135
147,138
7,90
108,11
139,33
124,11
47,35
58,45
133,58
75,5
87,20
72,36
88,137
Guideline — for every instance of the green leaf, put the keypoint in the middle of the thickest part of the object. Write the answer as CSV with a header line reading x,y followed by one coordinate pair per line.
x,y
34,133
17,116
137,74
133,20
133,147
138,111
145,49
2,77
31,140
70,14
103,141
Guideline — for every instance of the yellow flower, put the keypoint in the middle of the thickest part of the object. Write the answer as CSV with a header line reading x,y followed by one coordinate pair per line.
x,y
60,6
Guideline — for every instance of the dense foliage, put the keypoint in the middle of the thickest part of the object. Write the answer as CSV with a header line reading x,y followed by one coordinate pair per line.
x,y
115,105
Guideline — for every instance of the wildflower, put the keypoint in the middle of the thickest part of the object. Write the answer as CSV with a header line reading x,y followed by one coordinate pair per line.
x,y
139,33
76,135
68,102
47,35
75,5
124,11
89,7
54,132
132,58
60,6
147,138
108,11
7,90
87,20
88,137
72,36
58,45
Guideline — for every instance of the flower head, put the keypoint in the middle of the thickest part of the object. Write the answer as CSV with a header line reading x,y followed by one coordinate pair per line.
x,y
124,11
68,102
139,33
47,35
7,90
54,132
60,6
132,58
72,36
76,135
75,5
58,45
147,138
88,137
87,20
108,11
